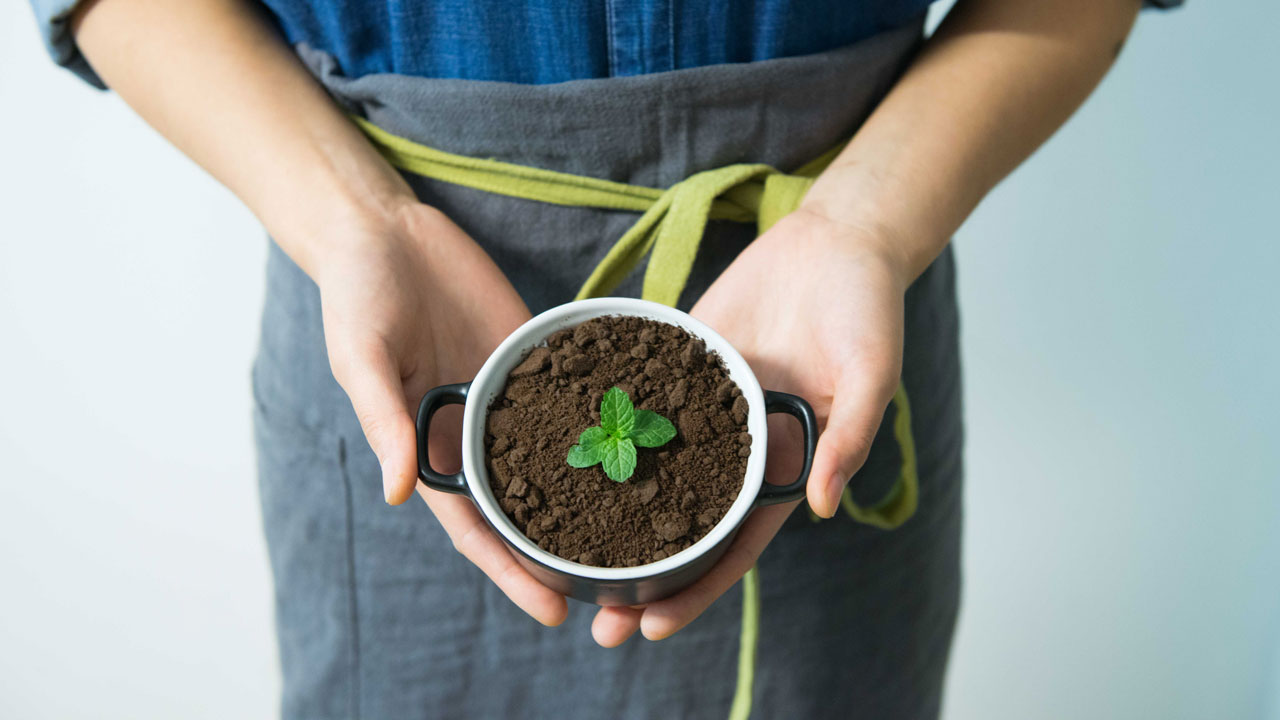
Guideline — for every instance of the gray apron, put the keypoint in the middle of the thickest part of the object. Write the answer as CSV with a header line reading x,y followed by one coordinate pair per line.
x,y
378,616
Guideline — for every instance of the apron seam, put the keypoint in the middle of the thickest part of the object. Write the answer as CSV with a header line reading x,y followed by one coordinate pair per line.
x,y
352,602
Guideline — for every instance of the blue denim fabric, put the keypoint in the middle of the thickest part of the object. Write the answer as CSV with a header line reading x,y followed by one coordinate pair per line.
x,y
548,41
53,17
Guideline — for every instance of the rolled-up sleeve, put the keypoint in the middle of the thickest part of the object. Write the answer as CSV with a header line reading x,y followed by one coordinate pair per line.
x,y
54,18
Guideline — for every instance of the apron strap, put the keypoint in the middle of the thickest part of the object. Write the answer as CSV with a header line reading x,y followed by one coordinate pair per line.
x,y
672,222
671,226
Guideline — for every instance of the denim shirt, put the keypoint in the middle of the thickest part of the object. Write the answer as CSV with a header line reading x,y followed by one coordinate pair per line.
x,y
547,41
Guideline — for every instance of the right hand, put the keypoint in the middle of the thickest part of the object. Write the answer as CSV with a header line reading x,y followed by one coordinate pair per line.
x,y
410,302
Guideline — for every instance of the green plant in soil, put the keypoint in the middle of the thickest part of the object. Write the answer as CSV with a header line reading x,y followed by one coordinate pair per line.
x,y
613,442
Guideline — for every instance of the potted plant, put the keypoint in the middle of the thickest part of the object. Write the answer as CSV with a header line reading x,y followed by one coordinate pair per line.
x,y
616,445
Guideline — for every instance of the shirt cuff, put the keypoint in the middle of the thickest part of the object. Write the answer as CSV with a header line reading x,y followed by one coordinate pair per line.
x,y
54,19
1162,4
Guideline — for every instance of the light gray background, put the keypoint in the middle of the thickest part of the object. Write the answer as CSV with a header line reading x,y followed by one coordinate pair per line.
x,y
1121,342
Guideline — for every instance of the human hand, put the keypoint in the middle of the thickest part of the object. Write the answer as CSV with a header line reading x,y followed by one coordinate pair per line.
x,y
816,308
409,302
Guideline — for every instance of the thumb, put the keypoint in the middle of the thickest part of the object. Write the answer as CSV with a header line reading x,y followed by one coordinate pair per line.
x,y
372,381
856,412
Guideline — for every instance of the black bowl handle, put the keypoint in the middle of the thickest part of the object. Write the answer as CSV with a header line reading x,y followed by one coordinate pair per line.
x,y
435,399
798,408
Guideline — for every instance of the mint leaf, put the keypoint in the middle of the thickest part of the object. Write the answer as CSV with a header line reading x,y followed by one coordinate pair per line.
x,y
619,459
613,442
617,415
651,429
593,438
580,458
590,448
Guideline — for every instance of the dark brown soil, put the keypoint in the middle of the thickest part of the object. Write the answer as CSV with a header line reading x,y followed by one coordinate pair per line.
x,y
678,492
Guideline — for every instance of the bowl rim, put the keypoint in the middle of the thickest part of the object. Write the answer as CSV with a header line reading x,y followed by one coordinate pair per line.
x,y
489,380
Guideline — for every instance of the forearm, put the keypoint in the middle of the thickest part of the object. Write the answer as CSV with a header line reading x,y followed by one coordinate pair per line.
x,y
214,78
996,80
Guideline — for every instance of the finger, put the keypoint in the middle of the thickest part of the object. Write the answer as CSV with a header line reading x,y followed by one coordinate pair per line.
x,y
446,439
666,617
478,543
613,625
856,412
371,380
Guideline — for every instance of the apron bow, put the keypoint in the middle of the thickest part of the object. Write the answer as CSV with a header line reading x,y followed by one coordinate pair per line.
x,y
673,226
672,220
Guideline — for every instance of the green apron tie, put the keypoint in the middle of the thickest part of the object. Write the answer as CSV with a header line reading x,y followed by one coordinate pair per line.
x,y
673,226
670,227
672,222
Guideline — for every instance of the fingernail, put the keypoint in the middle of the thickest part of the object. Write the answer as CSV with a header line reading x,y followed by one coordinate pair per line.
x,y
386,485
835,487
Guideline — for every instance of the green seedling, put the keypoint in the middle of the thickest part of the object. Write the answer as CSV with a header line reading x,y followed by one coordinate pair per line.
x,y
613,442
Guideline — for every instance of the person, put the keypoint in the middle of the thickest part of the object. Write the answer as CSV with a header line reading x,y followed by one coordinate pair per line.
x,y
382,284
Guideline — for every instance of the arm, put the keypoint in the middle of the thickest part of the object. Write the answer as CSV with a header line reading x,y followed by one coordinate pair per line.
x,y
212,77
218,83
994,82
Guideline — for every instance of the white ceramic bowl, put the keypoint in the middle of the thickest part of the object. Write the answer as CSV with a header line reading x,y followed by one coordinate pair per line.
x,y
610,586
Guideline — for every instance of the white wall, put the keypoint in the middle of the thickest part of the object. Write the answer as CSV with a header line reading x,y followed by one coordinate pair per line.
x,y
1120,307
1121,337
133,571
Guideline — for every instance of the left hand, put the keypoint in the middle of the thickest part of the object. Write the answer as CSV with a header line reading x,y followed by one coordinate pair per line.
x,y
816,308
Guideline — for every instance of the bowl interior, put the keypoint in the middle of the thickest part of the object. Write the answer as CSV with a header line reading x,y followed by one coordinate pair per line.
x,y
492,376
